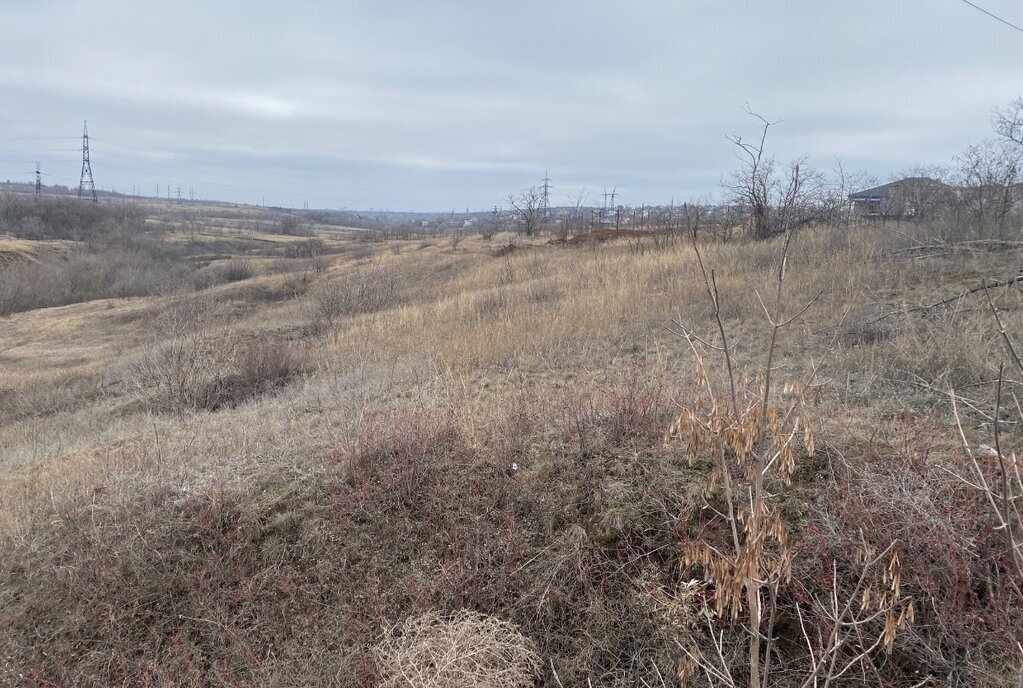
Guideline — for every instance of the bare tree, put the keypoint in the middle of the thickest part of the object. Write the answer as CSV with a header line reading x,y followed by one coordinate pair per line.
x,y
750,184
528,206
771,199
1008,121
989,174
831,196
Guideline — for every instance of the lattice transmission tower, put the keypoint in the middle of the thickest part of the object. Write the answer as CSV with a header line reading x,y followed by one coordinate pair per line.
x,y
86,178
545,202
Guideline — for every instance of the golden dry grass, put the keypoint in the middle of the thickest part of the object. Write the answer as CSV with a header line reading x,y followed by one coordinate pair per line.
x,y
475,327
438,327
14,250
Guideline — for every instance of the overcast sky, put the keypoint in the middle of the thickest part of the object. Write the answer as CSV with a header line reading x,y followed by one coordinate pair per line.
x,y
453,104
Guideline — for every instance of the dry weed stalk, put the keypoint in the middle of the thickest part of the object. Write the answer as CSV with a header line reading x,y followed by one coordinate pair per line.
x,y
752,439
465,649
1003,497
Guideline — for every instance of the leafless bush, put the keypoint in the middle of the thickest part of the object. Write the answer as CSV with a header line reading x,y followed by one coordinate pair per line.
x,y
67,218
221,273
267,363
291,225
195,365
466,649
184,368
85,276
310,248
235,271
352,293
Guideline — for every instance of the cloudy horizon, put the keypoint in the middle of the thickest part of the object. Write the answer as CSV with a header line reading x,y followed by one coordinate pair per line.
x,y
434,106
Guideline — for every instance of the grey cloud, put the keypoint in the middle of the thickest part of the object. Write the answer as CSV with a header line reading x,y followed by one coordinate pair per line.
x,y
454,104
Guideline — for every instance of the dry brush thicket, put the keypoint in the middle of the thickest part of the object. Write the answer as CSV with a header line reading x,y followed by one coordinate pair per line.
x,y
630,462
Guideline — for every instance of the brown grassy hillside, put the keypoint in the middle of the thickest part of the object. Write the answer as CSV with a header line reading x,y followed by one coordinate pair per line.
x,y
254,479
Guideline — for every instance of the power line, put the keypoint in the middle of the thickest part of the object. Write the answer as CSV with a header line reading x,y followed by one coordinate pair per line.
x,y
188,165
57,176
38,138
29,162
992,15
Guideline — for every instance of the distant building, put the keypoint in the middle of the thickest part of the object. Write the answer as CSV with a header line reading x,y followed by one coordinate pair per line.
x,y
912,197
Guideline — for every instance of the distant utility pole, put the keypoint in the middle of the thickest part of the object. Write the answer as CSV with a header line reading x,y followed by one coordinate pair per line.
x,y
191,193
39,181
545,202
179,193
604,217
86,177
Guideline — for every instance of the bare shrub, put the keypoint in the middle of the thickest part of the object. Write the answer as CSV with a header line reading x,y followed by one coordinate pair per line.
x,y
66,218
466,649
959,577
291,225
310,248
85,276
265,364
221,273
749,441
184,368
235,271
352,293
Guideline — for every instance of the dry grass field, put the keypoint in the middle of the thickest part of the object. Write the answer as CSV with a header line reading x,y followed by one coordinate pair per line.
x,y
295,453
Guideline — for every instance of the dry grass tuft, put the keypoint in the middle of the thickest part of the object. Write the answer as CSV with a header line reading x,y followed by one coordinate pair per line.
x,y
461,650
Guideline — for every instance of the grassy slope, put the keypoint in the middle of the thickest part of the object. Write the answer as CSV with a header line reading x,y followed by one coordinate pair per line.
x,y
269,542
